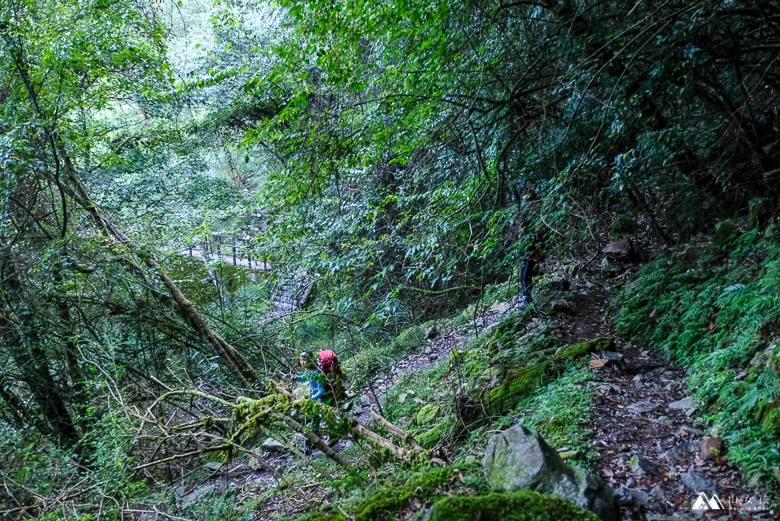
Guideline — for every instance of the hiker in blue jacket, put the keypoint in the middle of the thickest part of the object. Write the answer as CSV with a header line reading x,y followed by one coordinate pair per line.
x,y
313,376
316,384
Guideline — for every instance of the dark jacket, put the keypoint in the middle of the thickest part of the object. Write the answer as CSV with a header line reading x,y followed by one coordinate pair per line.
x,y
535,249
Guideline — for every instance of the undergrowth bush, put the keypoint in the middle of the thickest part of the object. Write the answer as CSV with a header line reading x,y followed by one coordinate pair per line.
x,y
560,409
715,309
52,479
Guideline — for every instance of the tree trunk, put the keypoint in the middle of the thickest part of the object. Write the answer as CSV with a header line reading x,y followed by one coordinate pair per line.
x,y
32,362
183,307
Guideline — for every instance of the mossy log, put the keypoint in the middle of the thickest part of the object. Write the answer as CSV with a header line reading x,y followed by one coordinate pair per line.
x,y
524,505
520,382
280,405
351,426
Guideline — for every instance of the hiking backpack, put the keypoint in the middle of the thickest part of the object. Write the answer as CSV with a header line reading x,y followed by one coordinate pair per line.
x,y
331,369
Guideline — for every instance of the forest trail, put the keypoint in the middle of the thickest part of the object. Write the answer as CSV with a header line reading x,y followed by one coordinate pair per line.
x,y
645,440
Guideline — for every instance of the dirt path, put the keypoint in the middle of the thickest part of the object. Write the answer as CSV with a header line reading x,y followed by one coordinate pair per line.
x,y
436,349
651,447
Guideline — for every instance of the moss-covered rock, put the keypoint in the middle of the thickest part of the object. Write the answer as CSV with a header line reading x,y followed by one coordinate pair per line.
x,y
517,386
524,505
427,414
519,459
506,333
385,501
411,338
591,346
390,499
724,232
623,225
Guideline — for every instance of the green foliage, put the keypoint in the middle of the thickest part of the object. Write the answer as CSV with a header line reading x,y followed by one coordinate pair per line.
x,y
560,410
411,338
623,225
401,155
524,505
417,156
426,410
34,467
770,424
502,292
520,382
714,312
216,507
372,358
437,433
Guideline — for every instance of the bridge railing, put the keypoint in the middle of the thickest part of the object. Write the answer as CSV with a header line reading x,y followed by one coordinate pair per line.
x,y
231,250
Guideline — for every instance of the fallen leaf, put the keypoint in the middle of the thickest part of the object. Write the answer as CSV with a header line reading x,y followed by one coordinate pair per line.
x,y
601,362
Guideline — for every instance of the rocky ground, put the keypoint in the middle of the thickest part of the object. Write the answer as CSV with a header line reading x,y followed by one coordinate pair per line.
x,y
438,348
652,449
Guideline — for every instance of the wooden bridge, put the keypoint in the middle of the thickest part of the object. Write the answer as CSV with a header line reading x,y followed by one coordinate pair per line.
x,y
233,255
290,296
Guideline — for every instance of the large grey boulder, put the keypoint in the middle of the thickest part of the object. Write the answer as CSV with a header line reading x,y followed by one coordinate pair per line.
x,y
557,284
273,445
255,458
519,458
299,440
194,496
620,250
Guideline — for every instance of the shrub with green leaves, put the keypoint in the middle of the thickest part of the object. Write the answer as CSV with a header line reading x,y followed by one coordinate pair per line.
x,y
560,409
